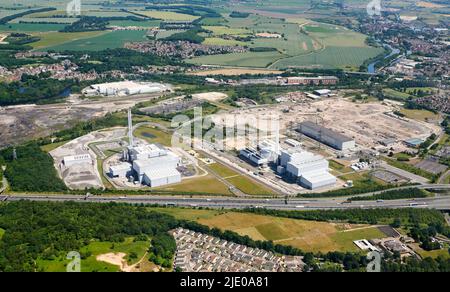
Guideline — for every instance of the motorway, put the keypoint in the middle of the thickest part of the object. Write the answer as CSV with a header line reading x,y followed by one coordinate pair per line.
x,y
437,202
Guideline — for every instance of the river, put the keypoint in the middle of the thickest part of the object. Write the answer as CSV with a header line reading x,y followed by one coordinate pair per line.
x,y
371,68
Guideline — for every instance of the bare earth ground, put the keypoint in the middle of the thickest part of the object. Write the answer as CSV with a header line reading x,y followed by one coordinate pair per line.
x,y
211,96
87,174
367,123
22,123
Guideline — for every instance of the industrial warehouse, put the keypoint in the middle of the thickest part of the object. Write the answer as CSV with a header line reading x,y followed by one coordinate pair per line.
x,y
124,88
147,164
326,136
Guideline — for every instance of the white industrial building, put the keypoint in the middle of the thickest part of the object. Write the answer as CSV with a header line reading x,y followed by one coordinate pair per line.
x,y
77,159
147,164
309,169
124,88
326,136
252,155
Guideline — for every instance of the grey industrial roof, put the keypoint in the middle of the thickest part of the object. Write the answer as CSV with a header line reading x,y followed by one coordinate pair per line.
x,y
326,132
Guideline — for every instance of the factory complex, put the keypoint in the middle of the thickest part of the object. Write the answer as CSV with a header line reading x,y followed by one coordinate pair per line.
x,y
124,88
147,164
309,170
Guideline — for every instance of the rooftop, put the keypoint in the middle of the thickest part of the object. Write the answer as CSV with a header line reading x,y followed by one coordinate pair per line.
x,y
325,131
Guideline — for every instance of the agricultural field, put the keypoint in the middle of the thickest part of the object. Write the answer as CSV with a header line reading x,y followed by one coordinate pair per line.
x,y
167,15
307,235
235,72
302,44
54,39
99,41
31,27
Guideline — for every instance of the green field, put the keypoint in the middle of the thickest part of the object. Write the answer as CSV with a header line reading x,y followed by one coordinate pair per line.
x,y
2,231
53,39
168,15
303,44
420,115
391,93
307,235
154,135
90,263
102,41
31,27
240,181
206,184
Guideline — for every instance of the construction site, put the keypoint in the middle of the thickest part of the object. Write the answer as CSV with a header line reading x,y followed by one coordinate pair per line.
x,y
368,124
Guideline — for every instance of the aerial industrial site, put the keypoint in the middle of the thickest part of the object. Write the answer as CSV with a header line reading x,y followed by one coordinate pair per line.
x,y
224,136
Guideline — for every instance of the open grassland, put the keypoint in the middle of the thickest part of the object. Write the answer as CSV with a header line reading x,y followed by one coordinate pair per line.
x,y
240,181
213,41
205,184
154,135
433,253
125,23
101,41
307,235
224,30
90,263
52,39
391,93
168,15
420,115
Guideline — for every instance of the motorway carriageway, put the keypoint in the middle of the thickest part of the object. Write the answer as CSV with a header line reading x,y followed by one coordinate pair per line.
x,y
440,203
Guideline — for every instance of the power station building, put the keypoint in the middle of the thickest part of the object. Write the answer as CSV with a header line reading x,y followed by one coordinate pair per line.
x,y
310,170
147,164
326,136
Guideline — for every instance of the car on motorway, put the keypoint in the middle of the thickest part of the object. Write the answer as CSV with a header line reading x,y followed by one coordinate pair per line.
x,y
299,207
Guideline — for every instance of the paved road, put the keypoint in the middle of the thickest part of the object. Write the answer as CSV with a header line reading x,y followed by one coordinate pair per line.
x,y
440,203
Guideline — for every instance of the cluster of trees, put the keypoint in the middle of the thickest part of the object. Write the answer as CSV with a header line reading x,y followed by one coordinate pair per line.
x,y
117,59
162,249
394,195
446,125
191,35
33,170
34,89
87,23
424,235
202,10
407,216
237,14
366,186
42,229
8,18
94,23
